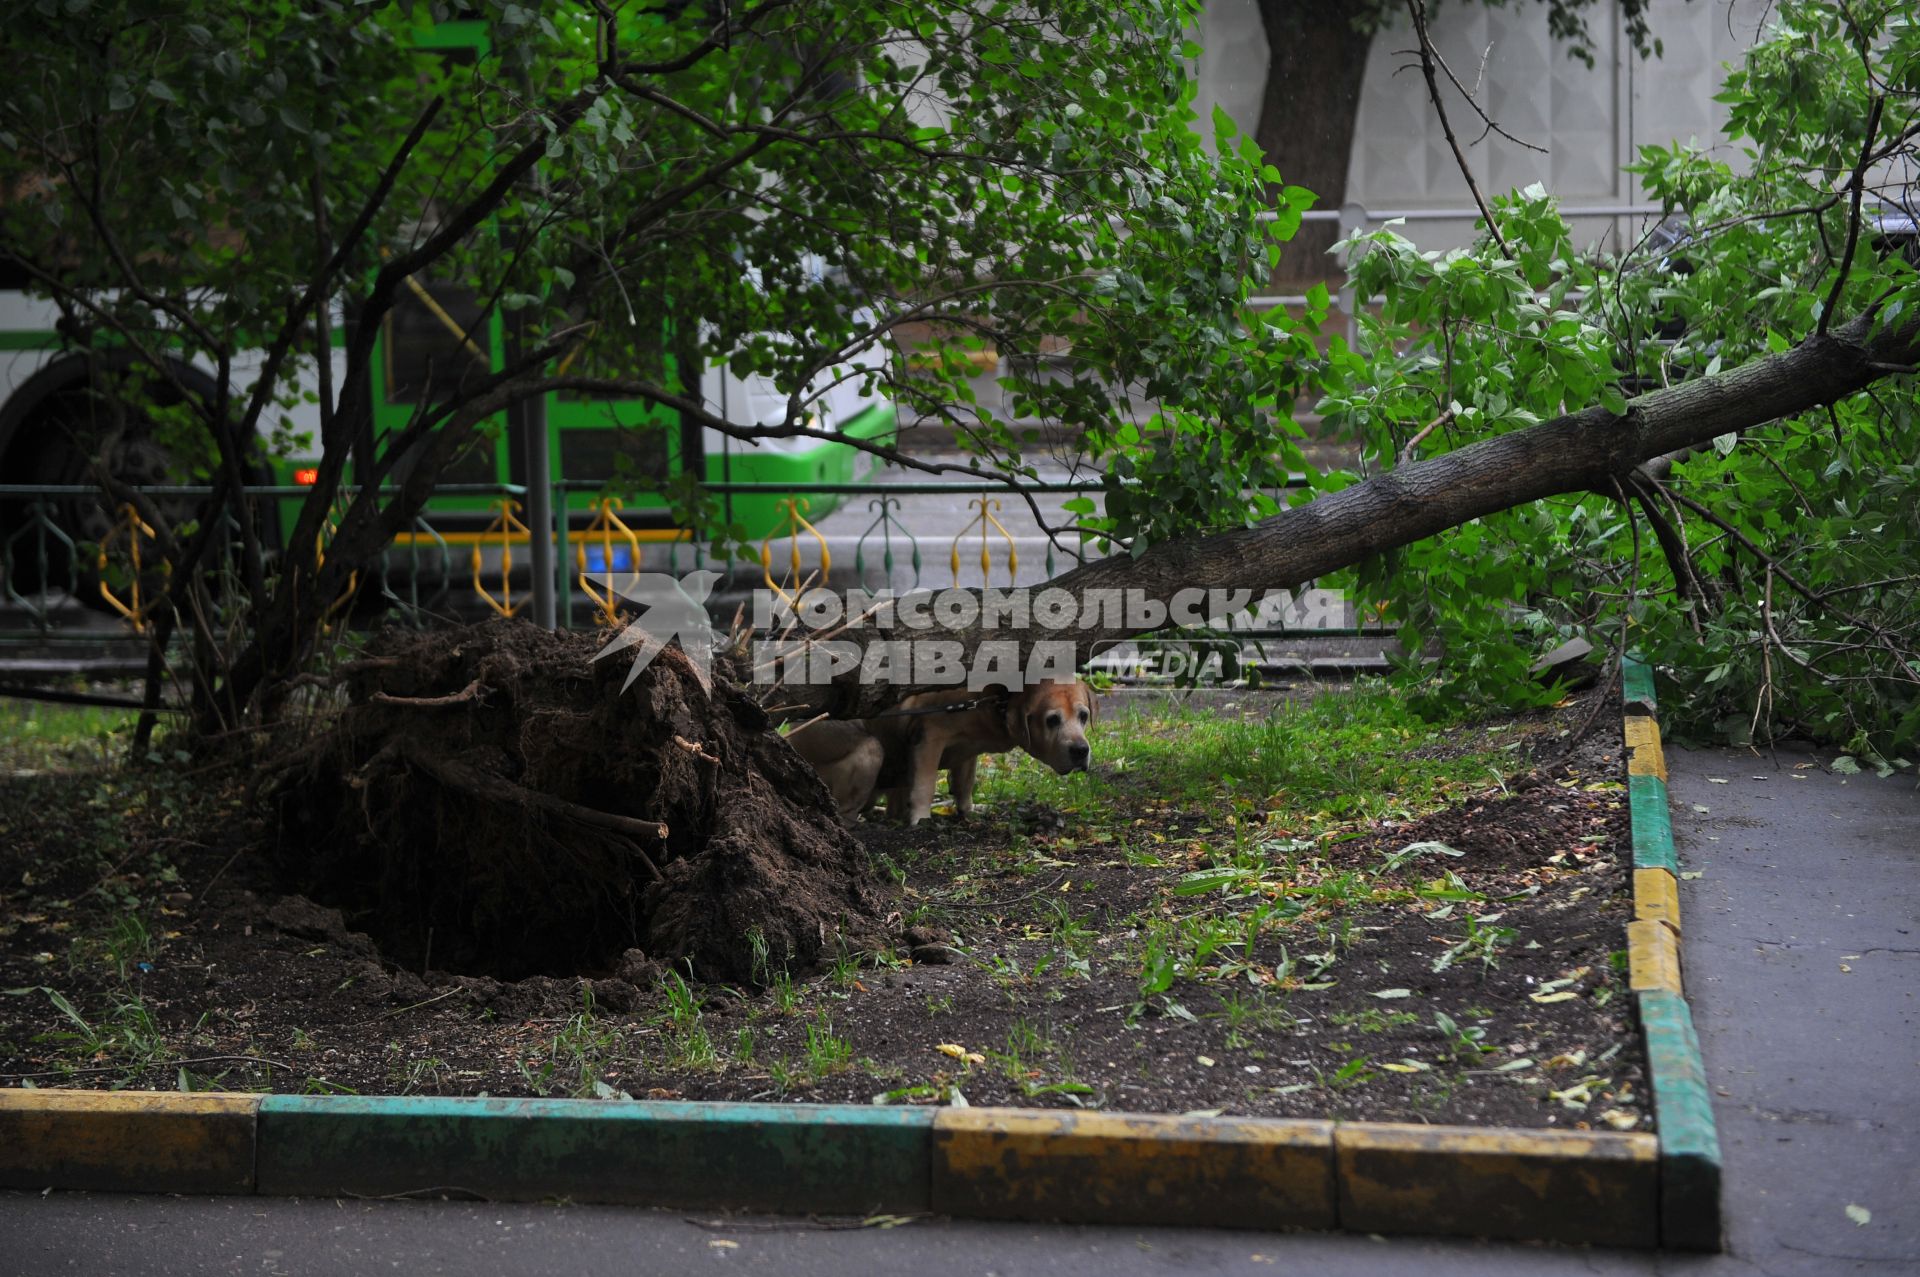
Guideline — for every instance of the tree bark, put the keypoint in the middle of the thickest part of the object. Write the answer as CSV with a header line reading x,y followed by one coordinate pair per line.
x,y
1316,62
1585,451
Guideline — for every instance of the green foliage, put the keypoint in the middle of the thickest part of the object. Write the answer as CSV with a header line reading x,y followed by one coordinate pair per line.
x,y
789,188
1820,635
574,1060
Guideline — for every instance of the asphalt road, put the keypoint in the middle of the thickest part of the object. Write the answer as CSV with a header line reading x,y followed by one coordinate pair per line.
x,y
1802,963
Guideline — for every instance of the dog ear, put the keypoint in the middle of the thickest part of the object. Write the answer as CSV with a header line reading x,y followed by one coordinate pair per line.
x,y
1017,717
1093,704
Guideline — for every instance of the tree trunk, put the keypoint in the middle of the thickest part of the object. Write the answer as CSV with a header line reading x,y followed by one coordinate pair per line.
x,y
1585,451
1316,61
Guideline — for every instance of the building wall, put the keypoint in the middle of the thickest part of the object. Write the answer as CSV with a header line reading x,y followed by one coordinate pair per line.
x,y
1591,122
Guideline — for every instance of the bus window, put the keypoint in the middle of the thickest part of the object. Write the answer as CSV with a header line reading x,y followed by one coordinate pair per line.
x,y
597,452
433,348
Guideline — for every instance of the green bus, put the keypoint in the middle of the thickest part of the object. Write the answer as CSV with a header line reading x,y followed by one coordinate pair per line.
x,y
434,336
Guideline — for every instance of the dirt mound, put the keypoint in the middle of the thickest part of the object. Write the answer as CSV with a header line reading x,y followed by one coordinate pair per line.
x,y
491,802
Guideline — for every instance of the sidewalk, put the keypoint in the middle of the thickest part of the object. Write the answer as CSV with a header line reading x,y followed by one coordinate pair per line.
x,y
1803,959
1803,967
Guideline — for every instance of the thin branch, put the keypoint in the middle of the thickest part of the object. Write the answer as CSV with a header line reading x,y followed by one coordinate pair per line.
x,y
1858,186
1417,9
1886,640
1407,453
1673,545
1473,100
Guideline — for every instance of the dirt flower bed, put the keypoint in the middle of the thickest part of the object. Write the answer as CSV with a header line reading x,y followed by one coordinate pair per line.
x,y
1292,903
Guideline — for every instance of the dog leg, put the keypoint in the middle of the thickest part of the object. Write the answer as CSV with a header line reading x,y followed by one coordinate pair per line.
x,y
960,782
924,776
854,793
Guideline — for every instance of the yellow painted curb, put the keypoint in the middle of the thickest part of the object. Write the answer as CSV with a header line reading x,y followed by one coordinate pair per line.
x,y
127,1141
1653,957
1645,757
1656,897
1110,1168
1565,1186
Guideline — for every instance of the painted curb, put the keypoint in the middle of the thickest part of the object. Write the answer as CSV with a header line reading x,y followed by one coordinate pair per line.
x,y
1690,1165
1653,957
1652,829
1571,1186
1090,1168
1599,1188
1644,755
826,1158
127,1141
1656,898
1636,687
1085,1168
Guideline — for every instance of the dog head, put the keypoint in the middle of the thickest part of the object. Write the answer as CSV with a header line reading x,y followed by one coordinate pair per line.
x,y
1050,720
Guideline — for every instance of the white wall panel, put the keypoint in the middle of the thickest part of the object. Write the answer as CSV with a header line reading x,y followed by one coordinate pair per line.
x,y
1591,121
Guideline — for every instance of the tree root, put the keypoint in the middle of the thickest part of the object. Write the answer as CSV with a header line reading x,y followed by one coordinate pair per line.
x,y
465,696
491,788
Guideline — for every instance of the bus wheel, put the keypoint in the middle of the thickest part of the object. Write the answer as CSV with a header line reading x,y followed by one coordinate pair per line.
x,y
53,542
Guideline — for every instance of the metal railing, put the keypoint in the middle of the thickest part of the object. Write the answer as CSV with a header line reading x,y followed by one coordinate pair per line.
x,y
58,589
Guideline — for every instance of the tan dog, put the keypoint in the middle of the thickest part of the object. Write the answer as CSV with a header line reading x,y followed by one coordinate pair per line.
x,y
902,753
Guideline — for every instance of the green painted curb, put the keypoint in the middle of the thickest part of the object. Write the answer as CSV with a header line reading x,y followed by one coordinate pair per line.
x,y
1636,686
1652,830
1683,1110
792,1158
1689,1144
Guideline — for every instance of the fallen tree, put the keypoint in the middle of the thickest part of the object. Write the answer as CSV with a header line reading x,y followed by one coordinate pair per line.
x,y
1591,451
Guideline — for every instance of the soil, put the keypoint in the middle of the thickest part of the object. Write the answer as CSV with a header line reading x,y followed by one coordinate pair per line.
x,y
994,961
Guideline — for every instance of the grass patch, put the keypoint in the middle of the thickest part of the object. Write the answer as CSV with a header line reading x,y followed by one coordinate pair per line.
x,y
1341,756
35,736
1246,826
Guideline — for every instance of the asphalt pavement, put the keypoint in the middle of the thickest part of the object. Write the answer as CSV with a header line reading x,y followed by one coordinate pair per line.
x,y
1803,958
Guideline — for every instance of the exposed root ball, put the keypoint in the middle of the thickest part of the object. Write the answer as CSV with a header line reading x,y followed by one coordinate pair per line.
x,y
491,802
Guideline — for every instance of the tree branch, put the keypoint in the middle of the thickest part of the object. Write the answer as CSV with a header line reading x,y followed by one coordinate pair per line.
x,y
1417,9
1858,186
